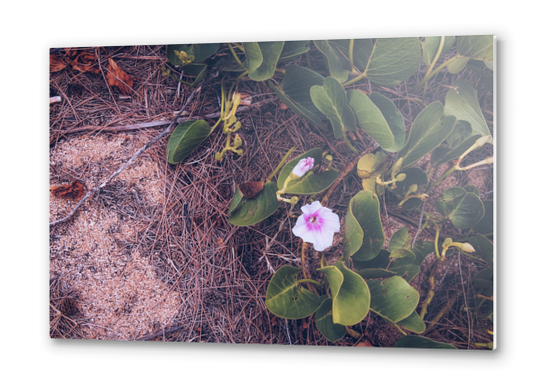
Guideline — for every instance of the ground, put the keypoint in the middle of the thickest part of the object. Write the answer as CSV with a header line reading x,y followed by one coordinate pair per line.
x,y
152,256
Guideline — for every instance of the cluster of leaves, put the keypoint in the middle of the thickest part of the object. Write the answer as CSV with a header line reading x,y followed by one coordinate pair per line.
x,y
366,277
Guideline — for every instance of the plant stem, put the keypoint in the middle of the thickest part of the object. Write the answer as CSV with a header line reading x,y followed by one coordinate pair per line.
x,y
446,174
442,312
310,281
442,38
348,143
430,76
431,292
355,79
351,54
284,158
235,55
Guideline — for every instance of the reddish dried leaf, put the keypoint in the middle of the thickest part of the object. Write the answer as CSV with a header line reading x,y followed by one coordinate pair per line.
x,y
365,343
85,62
283,106
56,64
75,190
116,77
251,190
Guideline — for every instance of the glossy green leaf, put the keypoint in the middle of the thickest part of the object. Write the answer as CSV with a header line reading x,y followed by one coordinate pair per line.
x,y
295,92
413,323
262,58
369,167
413,341
393,299
399,240
330,99
370,119
430,47
381,261
457,64
481,70
484,281
393,60
428,131
200,51
485,225
463,208
476,47
365,208
462,102
394,118
455,145
413,176
349,292
294,48
252,211
324,322
361,52
186,138
287,299
421,249
376,273
236,200
339,65
405,266
483,247
353,234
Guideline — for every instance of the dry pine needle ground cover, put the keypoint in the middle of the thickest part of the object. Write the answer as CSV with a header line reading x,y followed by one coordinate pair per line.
x,y
152,256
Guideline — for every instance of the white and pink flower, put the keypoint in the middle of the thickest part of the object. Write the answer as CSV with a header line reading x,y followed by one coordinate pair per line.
x,y
317,225
303,166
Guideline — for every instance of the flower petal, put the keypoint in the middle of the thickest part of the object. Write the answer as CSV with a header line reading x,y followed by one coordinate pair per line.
x,y
303,166
310,209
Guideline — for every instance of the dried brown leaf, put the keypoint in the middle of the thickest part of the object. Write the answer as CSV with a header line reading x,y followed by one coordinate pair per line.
x,y
75,190
85,62
56,64
116,77
251,190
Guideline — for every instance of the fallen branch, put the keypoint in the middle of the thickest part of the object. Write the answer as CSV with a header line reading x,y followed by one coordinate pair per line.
x,y
152,124
125,165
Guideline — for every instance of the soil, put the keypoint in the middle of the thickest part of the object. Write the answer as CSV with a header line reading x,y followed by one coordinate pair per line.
x,y
152,256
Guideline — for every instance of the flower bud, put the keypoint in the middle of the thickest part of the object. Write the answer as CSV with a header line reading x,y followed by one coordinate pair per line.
x,y
465,247
294,200
218,156
413,188
303,166
400,177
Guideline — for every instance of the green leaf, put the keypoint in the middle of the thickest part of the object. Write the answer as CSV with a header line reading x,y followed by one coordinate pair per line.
x,y
422,249
393,299
186,138
200,51
413,341
394,118
484,281
376,273
406,266
430,47
353,234
365,208
330,99
457,64
462,102
236,200
196,70
476,47
480,69
294,48
310,183
428,131
399,240
485,225
413,176
251,211
463,208
483,247
295,92
349,292
393,60
381,261
370,166
324,322
262,58
413,323
361,52
455,145
370,119
339,65
287,299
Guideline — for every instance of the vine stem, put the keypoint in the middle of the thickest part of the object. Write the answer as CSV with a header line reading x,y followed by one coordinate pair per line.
x,y
125,165
343,174
441,45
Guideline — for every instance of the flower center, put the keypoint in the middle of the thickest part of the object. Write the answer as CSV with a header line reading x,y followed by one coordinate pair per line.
x,y
312,219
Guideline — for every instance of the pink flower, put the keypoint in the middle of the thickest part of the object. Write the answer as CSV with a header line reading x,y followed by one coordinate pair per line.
x,y
303,166
317,225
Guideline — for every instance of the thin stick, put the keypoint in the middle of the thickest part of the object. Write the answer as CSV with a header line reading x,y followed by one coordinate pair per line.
x,y
152,124
124,166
